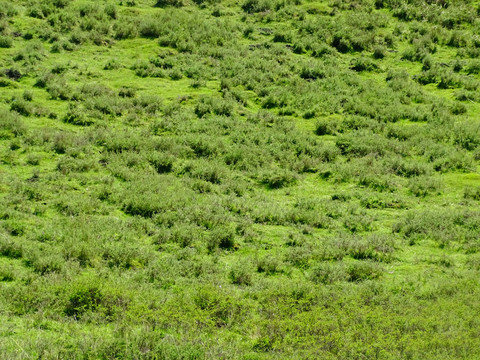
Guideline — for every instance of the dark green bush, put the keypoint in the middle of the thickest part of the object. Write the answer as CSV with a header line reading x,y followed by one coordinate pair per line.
x,y
111,11
149,104
363,64
379,52
363,270
77,116
240,275
12,73
269,265
5,42
10,248
207,171
27,95
467,135
112,65
373,247
126,92
472,193
59,89
45,264
125,30
255,6
282,37
7,9
84,299
312,71
162,163
448,81
150,28
328,273
7,274
277,179
211,105
222,238
165,3
458,109
325,127
21,106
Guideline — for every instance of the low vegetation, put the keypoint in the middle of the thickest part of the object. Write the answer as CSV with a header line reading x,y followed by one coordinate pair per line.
x,y
256,179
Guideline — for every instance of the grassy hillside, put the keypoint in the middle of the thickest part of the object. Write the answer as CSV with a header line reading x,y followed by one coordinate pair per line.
x,y
252,179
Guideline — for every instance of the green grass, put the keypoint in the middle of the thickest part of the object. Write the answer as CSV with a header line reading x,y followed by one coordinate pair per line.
x,y
239,180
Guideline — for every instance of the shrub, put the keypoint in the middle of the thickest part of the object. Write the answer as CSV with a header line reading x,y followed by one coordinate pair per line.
x,y
282,36
221,237
175,74
5,42
240,274
357,222
473,67
111,11
363,270
198,83
60,90
373,247
360,146
379,52
126,92
472,193
125,30
162,163
363,64
27,95
278,179
150,28
60,3
7,9
13,74
181,234
377,182
21,106
142,205
321,50
458,109
165,3
342,43
7,274
211,105
326,127
448,81
67,165
269,265
105,104
77,116
112,64
407,168
328,273
467,135
205,170
10,248
59,68
44,263
150,104
83,299
312,71
33,159
255,6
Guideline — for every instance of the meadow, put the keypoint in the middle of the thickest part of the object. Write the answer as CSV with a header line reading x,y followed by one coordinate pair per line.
x,y
239,179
